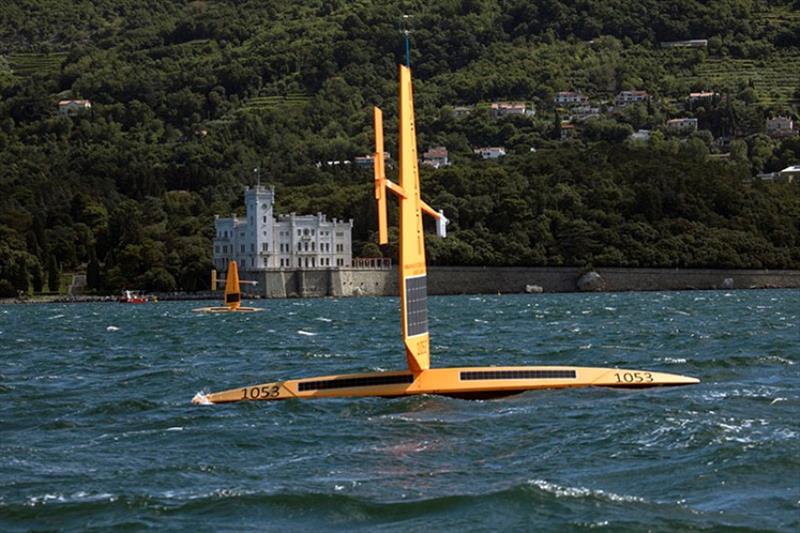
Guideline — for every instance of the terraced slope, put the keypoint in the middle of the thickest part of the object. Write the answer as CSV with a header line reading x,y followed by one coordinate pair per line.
x,y
29,64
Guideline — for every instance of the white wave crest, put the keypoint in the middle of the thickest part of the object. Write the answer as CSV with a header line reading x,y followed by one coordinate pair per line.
x,y
201,399
306,333
581,492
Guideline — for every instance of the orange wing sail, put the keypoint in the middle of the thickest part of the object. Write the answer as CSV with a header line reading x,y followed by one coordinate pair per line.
x,y
233,295
413,274
380,177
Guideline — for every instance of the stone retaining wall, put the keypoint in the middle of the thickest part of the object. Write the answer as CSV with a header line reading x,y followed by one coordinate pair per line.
x,y
492,280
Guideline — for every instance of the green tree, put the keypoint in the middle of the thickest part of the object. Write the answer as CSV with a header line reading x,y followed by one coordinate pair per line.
x,y
371,249
37,276
53,275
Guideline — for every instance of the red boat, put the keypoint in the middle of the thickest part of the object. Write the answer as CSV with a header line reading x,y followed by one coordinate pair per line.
x,y
130,297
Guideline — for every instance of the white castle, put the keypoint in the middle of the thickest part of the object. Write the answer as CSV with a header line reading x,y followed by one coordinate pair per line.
x,y
259,242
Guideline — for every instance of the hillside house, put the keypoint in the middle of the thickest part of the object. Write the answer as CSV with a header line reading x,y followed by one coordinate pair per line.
x,y
436,157
461,111
570,98
682,125
640,136
790,174
367,161
71,108
568,131
583,112
502,109
631,97
702,97
491,152
779,127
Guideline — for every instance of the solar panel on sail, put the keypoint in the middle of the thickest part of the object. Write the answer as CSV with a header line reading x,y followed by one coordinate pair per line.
x,y
417,305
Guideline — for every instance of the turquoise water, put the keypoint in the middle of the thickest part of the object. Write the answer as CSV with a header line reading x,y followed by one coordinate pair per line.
x,y
97,431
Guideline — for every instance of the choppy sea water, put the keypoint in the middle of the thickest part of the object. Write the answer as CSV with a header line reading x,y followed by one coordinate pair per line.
x,y
97,431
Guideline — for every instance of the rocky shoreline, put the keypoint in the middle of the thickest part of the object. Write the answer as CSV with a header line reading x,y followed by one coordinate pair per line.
x,y
484,280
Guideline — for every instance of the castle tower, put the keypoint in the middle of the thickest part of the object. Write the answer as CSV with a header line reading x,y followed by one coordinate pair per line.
x,y
259,202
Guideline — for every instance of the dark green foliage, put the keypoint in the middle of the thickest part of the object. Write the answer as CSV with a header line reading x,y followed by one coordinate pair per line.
x,y
94,279
37,277
7,289
371,249
188,97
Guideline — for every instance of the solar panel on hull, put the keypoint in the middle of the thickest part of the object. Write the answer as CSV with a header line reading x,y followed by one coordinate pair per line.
x,y
345,383
417,305
517,374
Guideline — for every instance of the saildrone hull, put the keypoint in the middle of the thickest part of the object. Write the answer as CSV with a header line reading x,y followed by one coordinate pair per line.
x,y
464,382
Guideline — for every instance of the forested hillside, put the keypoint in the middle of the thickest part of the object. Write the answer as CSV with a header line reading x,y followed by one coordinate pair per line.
x,y
187,98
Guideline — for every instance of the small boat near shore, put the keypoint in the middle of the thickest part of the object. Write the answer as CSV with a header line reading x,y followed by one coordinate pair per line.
x,y
135,297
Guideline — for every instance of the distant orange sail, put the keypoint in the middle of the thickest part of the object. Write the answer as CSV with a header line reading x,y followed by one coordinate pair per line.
x,y
232,296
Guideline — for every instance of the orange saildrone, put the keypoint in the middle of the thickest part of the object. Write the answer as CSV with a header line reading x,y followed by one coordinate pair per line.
x,y
419,377
233,295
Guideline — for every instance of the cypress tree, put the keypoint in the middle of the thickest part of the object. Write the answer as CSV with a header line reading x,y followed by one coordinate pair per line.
x,y
37,277
557,127
93,278
53,275
20,277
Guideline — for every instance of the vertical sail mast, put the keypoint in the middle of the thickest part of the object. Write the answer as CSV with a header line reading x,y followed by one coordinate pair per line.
x,y
413,274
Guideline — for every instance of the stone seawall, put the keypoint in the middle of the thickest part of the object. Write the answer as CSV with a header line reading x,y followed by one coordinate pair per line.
x,y
293,283
465,280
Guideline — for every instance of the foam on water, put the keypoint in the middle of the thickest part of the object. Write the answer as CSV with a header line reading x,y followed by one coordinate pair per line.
x,y
581,492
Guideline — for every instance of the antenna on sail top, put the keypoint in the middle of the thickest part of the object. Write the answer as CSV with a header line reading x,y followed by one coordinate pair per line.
x,y
257,172
405,29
